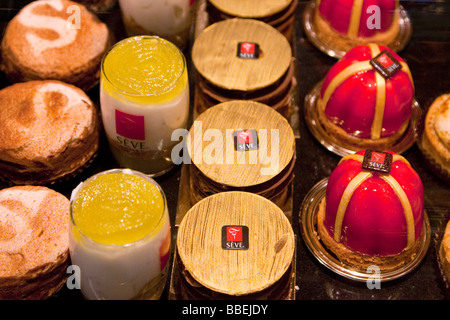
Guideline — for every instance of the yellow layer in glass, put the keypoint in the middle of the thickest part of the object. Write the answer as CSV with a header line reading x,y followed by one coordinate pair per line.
x,y
145,70
118,208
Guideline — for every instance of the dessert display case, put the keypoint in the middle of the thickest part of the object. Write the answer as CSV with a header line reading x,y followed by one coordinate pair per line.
x,y
427,55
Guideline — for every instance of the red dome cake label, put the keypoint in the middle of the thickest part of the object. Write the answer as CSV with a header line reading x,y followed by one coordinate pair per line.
x,y
377,161
386,64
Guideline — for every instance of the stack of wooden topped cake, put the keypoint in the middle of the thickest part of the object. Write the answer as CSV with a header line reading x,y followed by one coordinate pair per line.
x,y
252,149
243,59
279,14
235,245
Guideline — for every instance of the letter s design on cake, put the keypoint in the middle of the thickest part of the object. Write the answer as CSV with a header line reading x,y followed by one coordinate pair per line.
x,y
17,225
66,34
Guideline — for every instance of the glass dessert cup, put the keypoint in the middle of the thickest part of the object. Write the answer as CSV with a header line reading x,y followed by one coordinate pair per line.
x,y
144,98
120,260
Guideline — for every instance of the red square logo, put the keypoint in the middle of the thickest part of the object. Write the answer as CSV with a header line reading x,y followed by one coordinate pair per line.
x,y
385,64
130,126
246,139
248,50
247,47
234,233
245,136
385,61
378,157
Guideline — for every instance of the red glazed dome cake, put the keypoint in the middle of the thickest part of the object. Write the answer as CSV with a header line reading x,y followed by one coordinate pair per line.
x,y
373,211
348,23
366,99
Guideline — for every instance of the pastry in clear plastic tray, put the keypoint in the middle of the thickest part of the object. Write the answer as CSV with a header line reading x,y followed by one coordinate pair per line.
x,y
373,211
444,255
366,99
344,24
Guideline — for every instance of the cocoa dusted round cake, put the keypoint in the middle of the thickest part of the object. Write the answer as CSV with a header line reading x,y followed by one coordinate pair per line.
x,y
49,131
366,99
348,23
373,211
34,242
54,39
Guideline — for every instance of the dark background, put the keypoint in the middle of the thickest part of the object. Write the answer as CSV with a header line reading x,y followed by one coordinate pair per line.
x,y
428,56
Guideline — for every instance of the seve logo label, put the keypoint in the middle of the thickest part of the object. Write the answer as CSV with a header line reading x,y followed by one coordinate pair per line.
x,y
235,237
245,140
377,161
248,50
386,64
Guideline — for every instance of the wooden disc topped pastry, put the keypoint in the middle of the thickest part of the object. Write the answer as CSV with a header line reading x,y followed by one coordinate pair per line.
x,y
247,167
49,129
252,8
241,146
54,39
219,54
34,242
235,244
279,14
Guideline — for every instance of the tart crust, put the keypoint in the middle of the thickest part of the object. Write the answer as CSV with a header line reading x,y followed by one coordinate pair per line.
x,y
444,254
434,150
359,260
